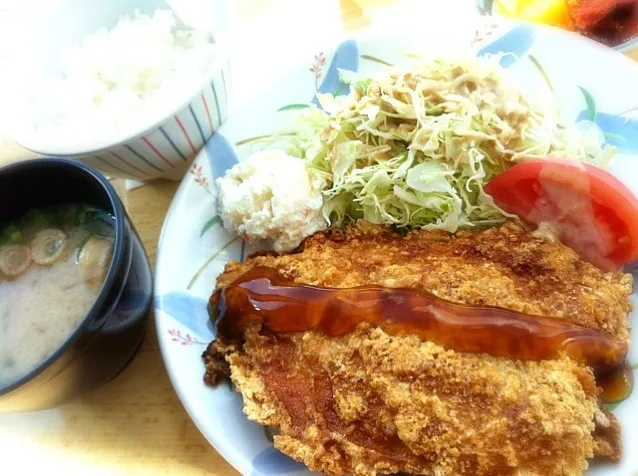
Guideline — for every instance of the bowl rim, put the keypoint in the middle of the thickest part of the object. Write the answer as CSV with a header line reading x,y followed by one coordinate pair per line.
x,y
24,135
118,255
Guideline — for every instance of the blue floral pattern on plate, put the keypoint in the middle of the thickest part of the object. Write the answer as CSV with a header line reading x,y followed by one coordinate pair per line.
x,y
619,131
221,155
346,57
188,310
515,43
272,461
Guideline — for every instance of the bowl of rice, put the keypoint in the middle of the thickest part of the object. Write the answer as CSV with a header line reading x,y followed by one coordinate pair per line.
x,y
125,87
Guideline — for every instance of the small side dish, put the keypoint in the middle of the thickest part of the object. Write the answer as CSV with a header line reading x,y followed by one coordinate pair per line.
x,y
53,262
611,22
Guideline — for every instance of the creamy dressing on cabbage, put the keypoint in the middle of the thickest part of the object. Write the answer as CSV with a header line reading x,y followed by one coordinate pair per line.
x,y
415,147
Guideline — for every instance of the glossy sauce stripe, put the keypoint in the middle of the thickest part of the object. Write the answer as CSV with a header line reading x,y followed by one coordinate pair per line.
x,y
263,297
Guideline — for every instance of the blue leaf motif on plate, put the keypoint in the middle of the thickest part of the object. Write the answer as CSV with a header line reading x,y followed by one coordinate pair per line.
x,y
221,155
517,41
191,311
272,461
346,57
619,131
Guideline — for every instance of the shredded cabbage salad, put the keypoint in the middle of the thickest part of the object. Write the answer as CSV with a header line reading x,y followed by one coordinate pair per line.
x,y
414,147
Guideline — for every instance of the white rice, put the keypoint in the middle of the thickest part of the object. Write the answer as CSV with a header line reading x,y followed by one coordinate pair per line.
x,y
117,81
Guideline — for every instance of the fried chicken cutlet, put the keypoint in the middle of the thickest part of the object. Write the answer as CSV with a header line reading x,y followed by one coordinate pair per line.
x,y
371,402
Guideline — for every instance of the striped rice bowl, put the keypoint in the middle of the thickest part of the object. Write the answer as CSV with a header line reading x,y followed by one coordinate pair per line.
x,y
167,149
136,101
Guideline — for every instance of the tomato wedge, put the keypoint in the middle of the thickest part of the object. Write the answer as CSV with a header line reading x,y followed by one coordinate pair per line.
x,y
592,211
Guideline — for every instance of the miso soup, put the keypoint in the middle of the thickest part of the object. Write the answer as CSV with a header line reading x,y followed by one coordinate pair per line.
x,y
53,262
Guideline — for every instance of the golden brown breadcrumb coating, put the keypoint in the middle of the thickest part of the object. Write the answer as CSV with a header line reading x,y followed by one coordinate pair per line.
x,y
370,402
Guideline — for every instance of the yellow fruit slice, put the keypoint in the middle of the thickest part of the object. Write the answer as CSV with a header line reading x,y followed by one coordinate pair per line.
x,y
550,12
509,8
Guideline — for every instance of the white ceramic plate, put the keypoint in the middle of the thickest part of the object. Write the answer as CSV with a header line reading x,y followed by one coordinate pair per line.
x,y
194,247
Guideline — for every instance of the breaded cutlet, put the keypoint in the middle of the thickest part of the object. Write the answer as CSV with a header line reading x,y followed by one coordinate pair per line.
x,y
370,402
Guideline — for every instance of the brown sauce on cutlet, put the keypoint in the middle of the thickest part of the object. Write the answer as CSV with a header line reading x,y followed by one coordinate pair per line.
x,y
264,297
618,385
